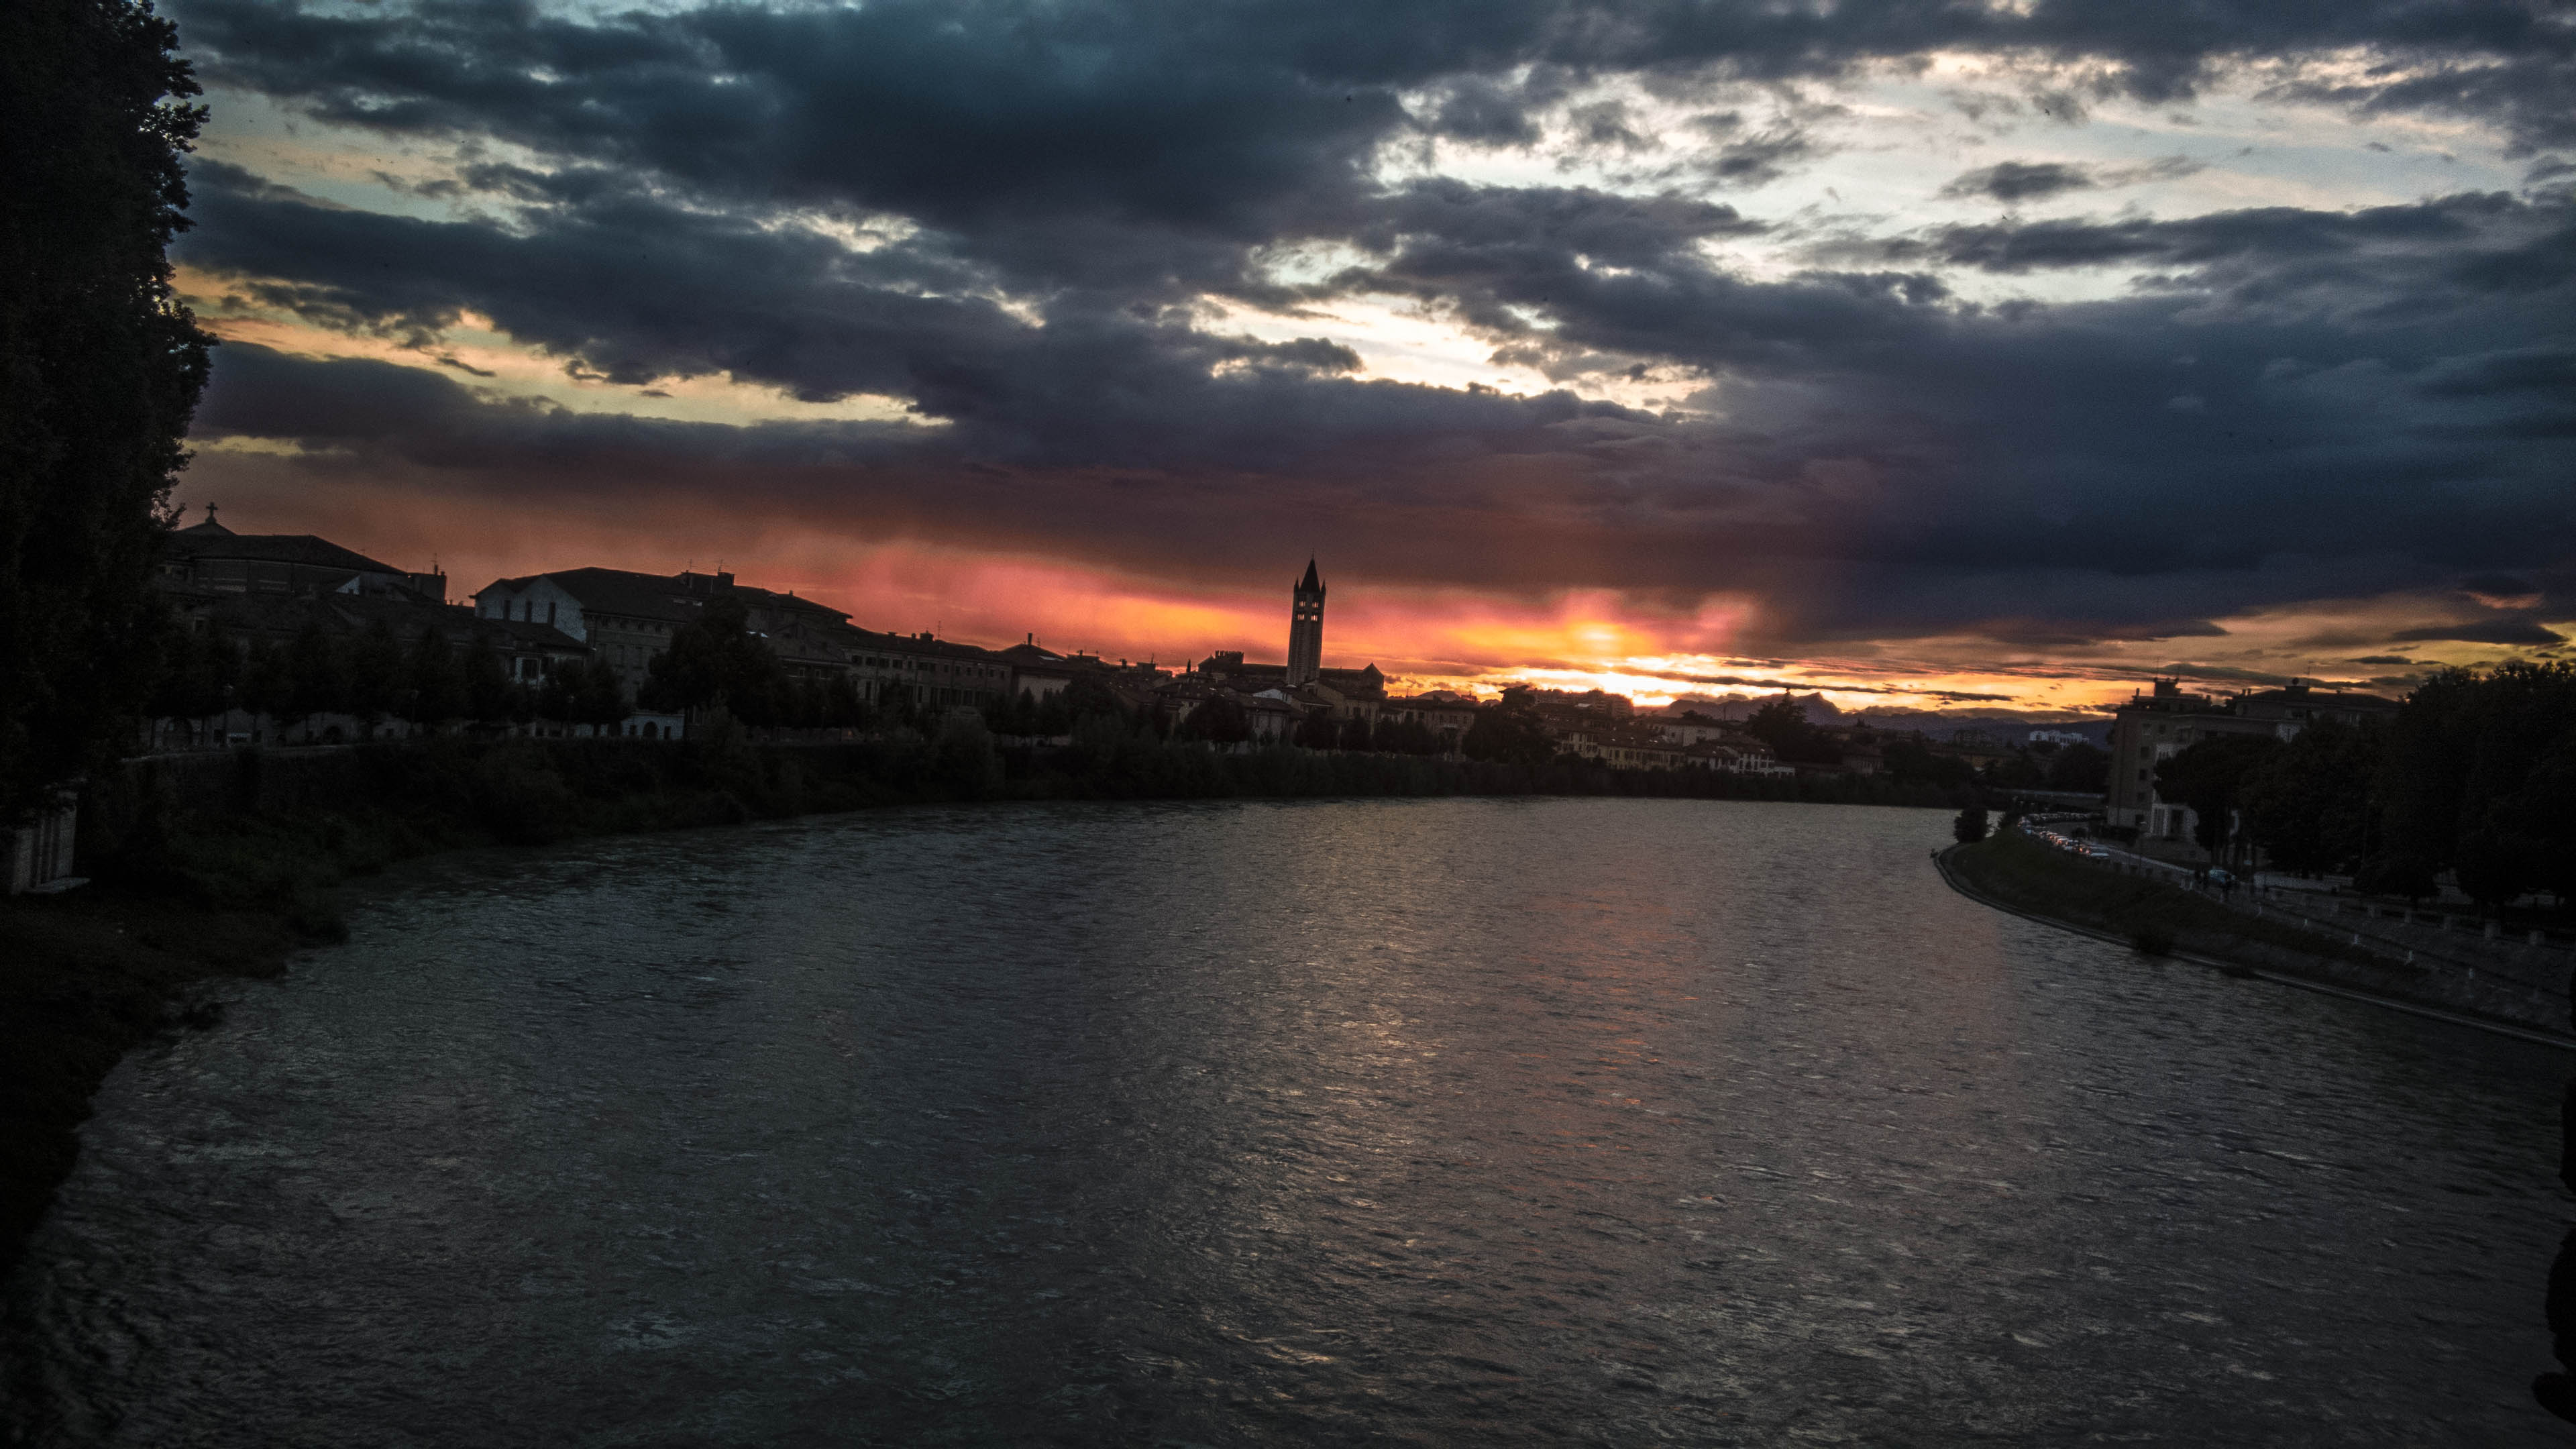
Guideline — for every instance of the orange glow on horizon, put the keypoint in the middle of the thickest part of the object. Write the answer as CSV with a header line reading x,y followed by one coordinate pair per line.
x,y
1422,638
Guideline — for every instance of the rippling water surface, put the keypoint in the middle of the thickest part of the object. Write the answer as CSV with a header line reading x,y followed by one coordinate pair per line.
x,y
1442,1122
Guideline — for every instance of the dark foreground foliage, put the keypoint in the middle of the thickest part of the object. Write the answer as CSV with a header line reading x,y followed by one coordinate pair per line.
x,y
2475,775
100,367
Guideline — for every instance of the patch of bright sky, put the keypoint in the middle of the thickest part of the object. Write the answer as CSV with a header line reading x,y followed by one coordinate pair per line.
x,y
1659,680
1398,340
342,165
1890,142
494,364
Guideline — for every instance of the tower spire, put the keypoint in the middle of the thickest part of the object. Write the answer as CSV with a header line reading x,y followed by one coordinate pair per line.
x,y
1306,628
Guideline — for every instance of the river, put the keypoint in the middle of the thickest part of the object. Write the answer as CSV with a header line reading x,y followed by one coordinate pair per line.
x,y
1440,1122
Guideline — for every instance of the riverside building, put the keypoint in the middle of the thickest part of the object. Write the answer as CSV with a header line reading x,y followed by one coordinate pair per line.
x,y
2157,725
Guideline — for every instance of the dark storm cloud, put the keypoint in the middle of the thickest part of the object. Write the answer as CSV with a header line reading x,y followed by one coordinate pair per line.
x,y
2501,631
2493,241
1749,157
2014,181
1886,464
1195,111
2010,181
358,409
2299,403
2505,586
796,311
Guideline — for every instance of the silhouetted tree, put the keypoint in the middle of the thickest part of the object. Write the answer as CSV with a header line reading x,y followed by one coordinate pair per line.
x,y
2545,810
2308,806
1912,762
316,681
2464,755
1970,826
964,758
1222,720
2020,769
196,676
433,681
843,708
489,694
2210,777
553,700
267,681
1017,716
100,368
1090,694
1781,723
2080,767
374,672
2494,866
591,692
1406,737
1055,714
1509,731
715,660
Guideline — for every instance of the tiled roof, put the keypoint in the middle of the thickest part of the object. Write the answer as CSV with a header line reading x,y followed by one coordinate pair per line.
x,y
617,591
913,644
672,598
346,615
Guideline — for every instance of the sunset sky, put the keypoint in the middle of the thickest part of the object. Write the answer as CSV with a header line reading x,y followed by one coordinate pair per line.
x,y
1934,355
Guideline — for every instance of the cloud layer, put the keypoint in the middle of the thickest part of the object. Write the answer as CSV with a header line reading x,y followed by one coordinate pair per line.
x,y
1095,268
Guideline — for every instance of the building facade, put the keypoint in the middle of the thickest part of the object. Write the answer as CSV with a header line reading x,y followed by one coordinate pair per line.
x,y
625,618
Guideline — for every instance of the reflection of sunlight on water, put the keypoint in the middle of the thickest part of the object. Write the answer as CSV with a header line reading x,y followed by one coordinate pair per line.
x,y
1533,1121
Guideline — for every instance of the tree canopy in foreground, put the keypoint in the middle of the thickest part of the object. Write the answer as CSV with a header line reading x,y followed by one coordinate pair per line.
x,y
100,368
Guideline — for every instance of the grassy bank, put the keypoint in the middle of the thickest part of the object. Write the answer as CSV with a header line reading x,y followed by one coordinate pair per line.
x,y
2144,911
2161,919
223,865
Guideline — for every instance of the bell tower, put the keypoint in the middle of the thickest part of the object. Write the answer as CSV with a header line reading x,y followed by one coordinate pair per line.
x,y
1306,629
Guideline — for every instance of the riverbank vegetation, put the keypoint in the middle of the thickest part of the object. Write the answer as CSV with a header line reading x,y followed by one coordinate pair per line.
x,y
2474,777
100,370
